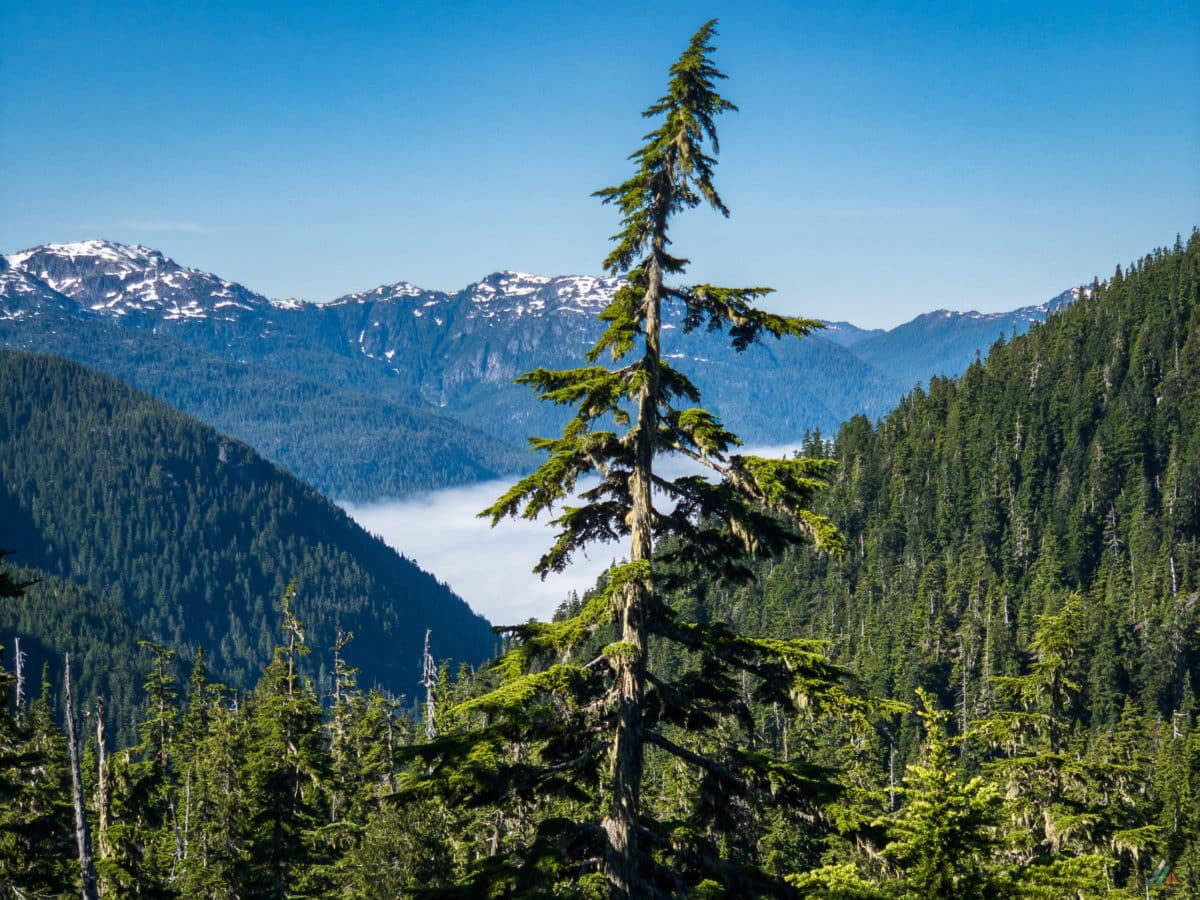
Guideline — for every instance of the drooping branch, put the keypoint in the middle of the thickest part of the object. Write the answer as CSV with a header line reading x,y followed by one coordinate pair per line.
x,y
722,773
732,309
748,772
775,661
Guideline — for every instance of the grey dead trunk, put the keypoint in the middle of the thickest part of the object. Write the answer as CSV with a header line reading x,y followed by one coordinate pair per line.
x,y
20,697
429,680
83,837
103,787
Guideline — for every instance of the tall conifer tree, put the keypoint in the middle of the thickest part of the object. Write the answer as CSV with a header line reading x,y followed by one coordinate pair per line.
x,y
555,724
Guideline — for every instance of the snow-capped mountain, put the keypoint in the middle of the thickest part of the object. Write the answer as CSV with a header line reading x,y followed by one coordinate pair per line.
x,y
505,294
117,280
517,294
449,345
385,293
113,305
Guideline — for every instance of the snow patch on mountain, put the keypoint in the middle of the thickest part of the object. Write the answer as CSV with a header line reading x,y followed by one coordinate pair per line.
x,y
106,251
517,294
120,279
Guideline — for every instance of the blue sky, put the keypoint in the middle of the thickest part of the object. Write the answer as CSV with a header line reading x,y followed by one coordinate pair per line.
x,y
887,159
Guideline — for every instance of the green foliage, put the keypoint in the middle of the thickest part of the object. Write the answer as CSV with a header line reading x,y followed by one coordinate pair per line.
x,y
183,533
1021,544
36,826
288,777
574,712
55,614
944,838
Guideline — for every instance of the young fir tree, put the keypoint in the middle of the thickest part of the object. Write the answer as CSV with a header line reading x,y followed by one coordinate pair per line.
x,y
1072,816
139,841
942,840
558,726
287,770
37,850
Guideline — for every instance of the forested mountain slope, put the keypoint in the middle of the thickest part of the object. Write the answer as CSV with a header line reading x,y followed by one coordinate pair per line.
x,y
1023,545
349,443
56,615
1069,461
196,537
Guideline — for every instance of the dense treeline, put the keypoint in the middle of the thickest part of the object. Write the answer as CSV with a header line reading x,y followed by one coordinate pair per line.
x,y
1068,462
55,615
283,791
189,533
225,793
1025,541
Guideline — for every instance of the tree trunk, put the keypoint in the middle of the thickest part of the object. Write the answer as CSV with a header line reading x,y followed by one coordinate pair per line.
x,y
87,868
20,657
627,751
103,799
429,679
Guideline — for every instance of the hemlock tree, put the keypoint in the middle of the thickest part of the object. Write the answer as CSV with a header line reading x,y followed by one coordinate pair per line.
x,y
943,839
555,726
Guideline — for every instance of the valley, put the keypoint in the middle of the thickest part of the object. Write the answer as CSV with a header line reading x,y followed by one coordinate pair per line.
x,y
673,577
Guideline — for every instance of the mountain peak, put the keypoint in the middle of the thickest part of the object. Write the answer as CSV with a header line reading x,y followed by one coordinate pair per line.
x,y
116,279
100,250
515,294
385,293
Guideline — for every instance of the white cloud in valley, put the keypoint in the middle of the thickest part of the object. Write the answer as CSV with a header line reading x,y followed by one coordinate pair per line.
x,y
490,567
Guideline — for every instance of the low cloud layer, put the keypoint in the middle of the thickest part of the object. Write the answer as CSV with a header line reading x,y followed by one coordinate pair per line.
x,y
490,567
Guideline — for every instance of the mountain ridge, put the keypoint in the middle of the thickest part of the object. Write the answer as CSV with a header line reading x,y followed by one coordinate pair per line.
x,y
445,361
592,290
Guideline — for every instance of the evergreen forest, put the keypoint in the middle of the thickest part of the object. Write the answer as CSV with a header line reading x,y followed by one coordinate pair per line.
x,y
351,435
953,653
134,521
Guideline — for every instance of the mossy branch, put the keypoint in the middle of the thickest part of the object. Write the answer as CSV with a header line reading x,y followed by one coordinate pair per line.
x,y
733,310
515,693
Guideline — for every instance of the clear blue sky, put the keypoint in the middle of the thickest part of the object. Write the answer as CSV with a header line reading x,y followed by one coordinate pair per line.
x,y
887,159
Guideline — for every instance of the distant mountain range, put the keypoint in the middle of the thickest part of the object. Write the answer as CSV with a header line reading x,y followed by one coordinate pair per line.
x,y
398,388
943,342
